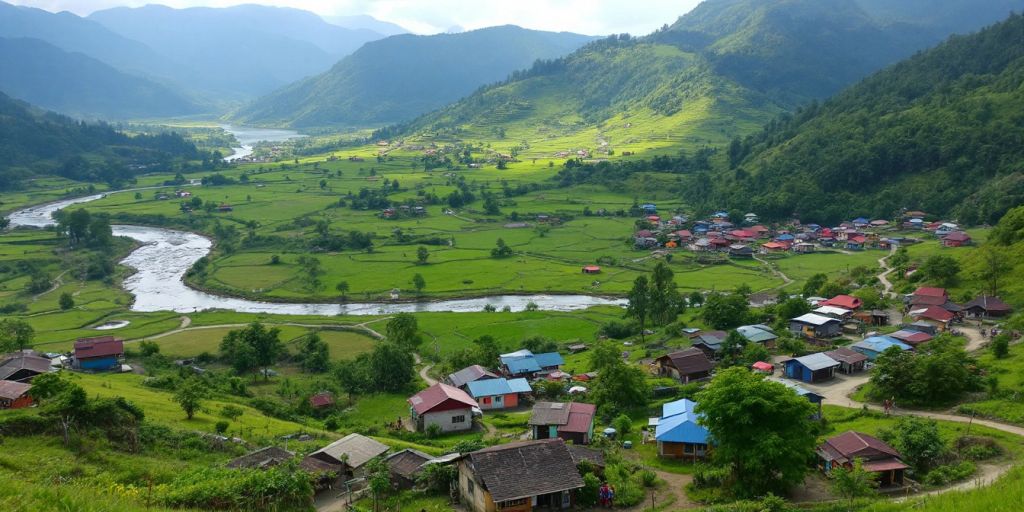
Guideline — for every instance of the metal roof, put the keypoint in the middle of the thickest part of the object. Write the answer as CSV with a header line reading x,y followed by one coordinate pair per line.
x,y
814,319
494,387
818,361
677,407
681,428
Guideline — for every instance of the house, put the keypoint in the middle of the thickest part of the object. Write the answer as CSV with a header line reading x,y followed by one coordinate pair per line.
x,y
873,346
448,407
850,361
469,374
811,396
813,325
848,302
934,315
14,395
591,269
23,366
572,421
876,456
321,400
649,208
684,235
774,247
498,393
99,353
928,296
987,306
263,458
803,248
740,251
519,477
911,337
709,342
811,368
956,239
350,453
679,434
524,363
758,333
856,242
685,365
836,312
405,466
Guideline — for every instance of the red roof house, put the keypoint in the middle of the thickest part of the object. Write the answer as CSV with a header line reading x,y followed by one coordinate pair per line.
x,y
99,353
843,301
876,456
14,395
321,400
956,239
928,291
448,407
571,422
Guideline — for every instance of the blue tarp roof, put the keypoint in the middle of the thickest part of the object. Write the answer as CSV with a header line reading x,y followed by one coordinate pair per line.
x,y
521,365
785,237
879,344
493,387
681,428
524,361
677,407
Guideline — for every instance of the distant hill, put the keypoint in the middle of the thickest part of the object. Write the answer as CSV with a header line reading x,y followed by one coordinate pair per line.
x,y
400,77
75,84
362,21
941,132
37,143
237,52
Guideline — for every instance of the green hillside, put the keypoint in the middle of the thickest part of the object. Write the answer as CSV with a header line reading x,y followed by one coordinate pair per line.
x,y
940,132
404,76
75,84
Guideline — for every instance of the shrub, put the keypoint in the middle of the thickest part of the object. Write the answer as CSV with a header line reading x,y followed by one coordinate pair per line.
x,y
277,488
943,475
221,427
148,348
231,412
589,493
707,475
619,330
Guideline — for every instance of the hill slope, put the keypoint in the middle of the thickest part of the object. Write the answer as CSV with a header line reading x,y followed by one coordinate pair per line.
x,y
403,76
75,84
941,132
239,51
35,143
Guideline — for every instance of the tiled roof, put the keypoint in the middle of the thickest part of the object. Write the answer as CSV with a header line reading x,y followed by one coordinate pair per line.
x,y
989,303
690,361
852,444
13,390
521,470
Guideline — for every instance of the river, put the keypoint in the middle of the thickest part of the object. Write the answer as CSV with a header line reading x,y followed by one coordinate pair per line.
x,y
166,255
248,137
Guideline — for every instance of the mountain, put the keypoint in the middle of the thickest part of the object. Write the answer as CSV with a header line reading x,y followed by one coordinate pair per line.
x,y
37,143
362,21
79,85
402,76
237,52
941,132
74,34
721,70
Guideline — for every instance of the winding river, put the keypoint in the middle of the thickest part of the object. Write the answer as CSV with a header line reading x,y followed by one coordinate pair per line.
x,y
248,137
167,254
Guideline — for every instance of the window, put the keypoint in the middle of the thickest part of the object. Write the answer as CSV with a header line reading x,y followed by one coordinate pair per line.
x,y
497,399
459,419
487,400
513,503
470,486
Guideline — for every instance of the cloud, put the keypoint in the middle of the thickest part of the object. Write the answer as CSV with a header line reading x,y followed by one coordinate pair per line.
x,y
596,17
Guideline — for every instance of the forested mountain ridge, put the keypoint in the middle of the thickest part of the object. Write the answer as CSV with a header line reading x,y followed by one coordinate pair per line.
x,y
37,143
941,132
400,77
79,85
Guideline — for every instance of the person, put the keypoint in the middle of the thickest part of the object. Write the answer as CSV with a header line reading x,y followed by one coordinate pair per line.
x,y
602,494
611,496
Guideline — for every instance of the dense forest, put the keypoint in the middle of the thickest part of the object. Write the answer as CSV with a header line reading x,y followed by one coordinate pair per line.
x,y
34,143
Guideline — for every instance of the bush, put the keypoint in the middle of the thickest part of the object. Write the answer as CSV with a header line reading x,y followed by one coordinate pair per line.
x,y
277,488
619,330
588,495
231,412
221,427
707,475
433,430
943,475
148,348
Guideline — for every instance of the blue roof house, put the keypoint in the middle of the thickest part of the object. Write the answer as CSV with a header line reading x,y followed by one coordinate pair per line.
x,y
811,368
875,345
524,363
679,434
497,393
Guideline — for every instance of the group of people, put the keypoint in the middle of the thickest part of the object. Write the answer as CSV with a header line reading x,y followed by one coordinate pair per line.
x,y
606,495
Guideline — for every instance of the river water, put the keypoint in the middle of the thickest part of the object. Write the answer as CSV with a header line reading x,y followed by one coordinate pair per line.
x,y
167,254
248,137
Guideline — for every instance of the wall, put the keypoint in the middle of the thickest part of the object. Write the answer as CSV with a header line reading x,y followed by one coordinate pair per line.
x,y
443,419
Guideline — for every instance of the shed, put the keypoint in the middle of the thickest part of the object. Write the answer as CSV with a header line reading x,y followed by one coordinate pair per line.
x,y
263,458
470,374
873,346
23,366
876,456
591,269
352,451
758,333
987,306
814,325
405,466
14,395
572,421
321,400
850,361
911,337
685,365
811,368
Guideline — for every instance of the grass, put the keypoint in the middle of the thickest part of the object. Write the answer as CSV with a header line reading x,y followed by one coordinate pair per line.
x,y
1009,373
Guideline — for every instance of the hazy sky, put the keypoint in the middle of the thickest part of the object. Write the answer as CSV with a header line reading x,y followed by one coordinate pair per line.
x,y
597,17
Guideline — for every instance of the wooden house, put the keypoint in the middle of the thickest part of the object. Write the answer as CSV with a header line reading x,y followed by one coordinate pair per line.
x,y
934,315
469,374
850,361
985,306
811,368
14,395
876,456
98,354
321,400
350,453
956,239
685,365
519,477
23,366
264,458
405,466
569,421
448,407
813,325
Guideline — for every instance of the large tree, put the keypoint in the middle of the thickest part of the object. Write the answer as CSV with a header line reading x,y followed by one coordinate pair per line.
x,y
761,429
190,395
639,306
403,329
620,387
724,311
665,302
252,348
15,334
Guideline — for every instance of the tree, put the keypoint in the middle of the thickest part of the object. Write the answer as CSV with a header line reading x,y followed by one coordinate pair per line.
x,y
696,298
342,288
15,334
791,308
993,264
419,283
311,272
391,367
501,250
724,311
853,483
315,355
665,301
190,395
918,440
252,349
66,301
940,269
639,306
378,476
604,355
403,330
352,377
621,387
763,431
1001,346
813,284
421,255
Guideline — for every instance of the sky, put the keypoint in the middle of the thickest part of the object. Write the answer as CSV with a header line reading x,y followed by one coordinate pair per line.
x,y
594,17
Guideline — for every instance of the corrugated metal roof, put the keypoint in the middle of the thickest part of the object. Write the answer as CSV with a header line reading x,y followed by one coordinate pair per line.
x,y
681,428
818,361
677,407
814,319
